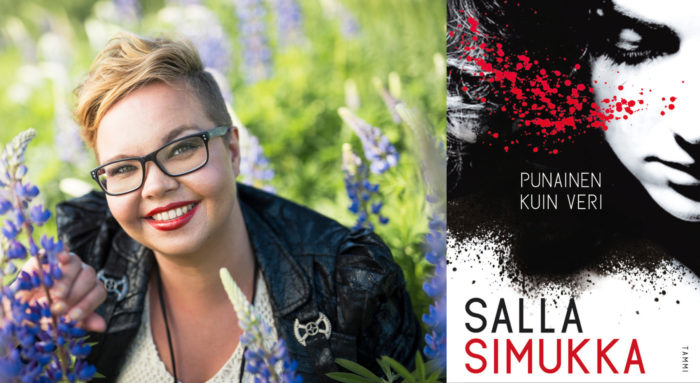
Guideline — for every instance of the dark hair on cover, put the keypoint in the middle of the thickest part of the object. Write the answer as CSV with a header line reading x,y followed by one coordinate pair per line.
x,y
559,34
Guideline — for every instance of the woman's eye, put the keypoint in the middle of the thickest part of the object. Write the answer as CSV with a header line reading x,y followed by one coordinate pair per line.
x,y
630,47
183,148
628,40
122,170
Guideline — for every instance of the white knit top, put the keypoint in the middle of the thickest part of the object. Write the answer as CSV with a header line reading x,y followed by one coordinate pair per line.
x,y
143,364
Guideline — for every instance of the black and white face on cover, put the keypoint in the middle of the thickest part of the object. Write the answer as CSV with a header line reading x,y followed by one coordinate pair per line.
x,y
654,47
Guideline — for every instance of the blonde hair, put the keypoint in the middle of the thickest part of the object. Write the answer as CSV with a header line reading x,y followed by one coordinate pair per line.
x,y
129,62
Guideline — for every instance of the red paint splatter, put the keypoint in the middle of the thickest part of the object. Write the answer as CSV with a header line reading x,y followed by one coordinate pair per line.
x,y
545,103
473,24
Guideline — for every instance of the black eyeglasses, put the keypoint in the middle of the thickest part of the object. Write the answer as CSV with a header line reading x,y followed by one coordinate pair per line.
x,y
177,158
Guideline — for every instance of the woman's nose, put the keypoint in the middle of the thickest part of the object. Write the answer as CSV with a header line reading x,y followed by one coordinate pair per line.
x,y
156,183
681,112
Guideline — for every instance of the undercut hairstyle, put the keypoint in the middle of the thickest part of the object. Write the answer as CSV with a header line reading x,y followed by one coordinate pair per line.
x,y
129,62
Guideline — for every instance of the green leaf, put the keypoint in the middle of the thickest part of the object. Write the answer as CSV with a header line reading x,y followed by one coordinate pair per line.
x,y
358,369
420,367
388,372
347,377
398,367
434,365
434,377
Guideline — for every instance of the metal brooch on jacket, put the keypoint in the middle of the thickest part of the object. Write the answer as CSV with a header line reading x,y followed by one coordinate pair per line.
x,y
116,286
322,325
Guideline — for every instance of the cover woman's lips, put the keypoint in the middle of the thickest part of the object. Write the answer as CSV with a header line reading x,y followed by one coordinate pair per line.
x,y
691,192
693,169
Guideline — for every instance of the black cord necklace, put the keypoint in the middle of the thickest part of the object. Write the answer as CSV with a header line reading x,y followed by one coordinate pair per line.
x,y
167,328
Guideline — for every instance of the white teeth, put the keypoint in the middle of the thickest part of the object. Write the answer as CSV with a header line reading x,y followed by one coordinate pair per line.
x,y
173,213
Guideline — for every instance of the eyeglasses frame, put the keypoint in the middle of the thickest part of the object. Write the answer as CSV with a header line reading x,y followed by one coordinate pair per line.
x,y
206,137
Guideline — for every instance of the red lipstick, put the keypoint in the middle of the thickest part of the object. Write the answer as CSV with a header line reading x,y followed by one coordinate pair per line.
x,y
174,223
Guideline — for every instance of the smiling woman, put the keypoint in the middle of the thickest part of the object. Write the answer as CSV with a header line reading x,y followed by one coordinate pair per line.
x,y
172,215
602,87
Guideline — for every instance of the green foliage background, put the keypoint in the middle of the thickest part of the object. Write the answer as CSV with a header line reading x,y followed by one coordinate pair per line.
x,y
293,112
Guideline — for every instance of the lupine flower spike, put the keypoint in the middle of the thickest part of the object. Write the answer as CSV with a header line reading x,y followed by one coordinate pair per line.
x,y
255,168
251,26
378,150
432,156
268,362
365,199
202,27
34,345
289,22
436,319
429,150
390,101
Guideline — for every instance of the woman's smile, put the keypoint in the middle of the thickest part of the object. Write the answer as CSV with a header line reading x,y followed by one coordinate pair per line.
x,y
172,216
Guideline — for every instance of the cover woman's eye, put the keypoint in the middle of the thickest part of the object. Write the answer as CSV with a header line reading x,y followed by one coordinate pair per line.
x,y
639,42
628,40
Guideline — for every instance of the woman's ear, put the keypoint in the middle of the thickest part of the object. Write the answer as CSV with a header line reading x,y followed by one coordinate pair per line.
x,y
235,148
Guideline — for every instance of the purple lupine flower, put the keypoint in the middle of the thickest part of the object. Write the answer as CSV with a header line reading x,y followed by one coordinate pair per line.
x,y
436,319
349,26
184,2
390,101
128,10
55,51
203,28
224,87
289,24
363,194
378,150
432,160
30,349
39,215
253,41
263,359
5,205
255,168
10,231
67,141
431,153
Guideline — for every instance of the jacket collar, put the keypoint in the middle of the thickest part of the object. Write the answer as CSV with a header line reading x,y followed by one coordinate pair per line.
x,y
290,288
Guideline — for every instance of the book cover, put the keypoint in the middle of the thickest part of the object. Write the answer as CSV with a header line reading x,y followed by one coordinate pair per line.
x,y
573,191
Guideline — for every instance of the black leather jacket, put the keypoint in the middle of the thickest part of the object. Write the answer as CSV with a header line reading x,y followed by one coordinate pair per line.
x,y
311,264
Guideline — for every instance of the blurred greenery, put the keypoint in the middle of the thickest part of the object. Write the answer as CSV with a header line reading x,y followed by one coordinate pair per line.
x,y
46,48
